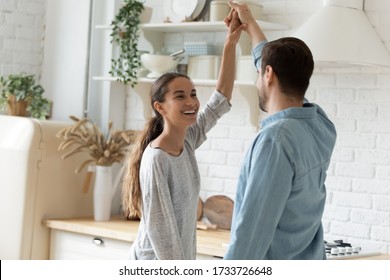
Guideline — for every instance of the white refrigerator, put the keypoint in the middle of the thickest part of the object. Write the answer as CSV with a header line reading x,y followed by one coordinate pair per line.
x,y
35,184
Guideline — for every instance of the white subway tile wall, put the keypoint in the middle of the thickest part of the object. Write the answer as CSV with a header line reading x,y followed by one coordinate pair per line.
x,y
356,99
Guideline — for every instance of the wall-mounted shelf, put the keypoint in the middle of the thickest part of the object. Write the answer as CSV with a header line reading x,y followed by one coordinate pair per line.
x,y
203,26
246,89
154,33
199,82
197,26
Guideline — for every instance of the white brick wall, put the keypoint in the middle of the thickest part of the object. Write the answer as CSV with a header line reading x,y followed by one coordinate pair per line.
x,y
356,99
21,36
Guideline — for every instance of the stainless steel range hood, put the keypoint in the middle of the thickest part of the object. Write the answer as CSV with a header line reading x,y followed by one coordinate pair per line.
x,y
341,35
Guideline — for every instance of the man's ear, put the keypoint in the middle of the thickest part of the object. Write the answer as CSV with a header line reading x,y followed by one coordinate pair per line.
x,y
269,74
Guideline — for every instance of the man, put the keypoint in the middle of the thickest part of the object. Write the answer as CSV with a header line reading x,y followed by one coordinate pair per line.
x,y
281,193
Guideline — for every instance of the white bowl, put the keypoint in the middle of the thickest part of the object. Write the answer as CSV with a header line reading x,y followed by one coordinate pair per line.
x,y
158,64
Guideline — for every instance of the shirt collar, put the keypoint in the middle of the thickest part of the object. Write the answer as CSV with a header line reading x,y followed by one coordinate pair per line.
x,y
307,111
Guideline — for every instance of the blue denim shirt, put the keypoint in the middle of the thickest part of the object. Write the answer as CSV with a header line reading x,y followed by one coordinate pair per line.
x,y
281,193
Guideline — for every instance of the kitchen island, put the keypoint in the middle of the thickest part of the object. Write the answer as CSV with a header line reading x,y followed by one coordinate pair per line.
x,y
84,238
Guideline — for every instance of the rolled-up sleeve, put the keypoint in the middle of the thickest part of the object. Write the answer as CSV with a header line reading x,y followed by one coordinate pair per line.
x,y
215,108
256,53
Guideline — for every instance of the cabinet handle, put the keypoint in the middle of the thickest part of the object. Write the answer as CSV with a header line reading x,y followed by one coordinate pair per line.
x,y
98,241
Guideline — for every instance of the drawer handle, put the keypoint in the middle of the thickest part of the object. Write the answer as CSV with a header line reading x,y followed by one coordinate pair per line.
x,y
98,241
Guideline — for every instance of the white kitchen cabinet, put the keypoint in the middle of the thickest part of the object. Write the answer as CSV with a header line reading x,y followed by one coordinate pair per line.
x,y
65,245
85,238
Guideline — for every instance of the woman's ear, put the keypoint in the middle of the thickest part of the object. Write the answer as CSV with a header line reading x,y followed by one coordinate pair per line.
x,y
157,106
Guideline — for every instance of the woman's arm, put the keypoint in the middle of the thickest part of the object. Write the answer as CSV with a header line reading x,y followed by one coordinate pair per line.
x,y
226,75
219,101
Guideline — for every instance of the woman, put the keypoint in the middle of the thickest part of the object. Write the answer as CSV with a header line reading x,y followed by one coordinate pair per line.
x,y
162,176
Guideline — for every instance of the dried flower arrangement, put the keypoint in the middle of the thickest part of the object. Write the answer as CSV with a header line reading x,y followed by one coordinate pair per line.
x,y
104,149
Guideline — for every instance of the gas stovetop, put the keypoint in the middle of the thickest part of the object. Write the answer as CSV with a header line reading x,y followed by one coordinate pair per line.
x,y
338,249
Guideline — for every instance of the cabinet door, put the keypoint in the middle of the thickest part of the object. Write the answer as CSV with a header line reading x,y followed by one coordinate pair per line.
x,y
74,246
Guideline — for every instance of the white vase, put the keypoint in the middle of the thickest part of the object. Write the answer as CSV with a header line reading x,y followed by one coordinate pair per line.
x,y
102,193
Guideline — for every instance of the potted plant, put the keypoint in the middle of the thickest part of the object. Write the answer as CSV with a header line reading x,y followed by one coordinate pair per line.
x,y
22,96
125,34
104,149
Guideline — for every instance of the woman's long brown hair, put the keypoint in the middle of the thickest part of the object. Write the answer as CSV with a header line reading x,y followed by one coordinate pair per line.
x,y
131,189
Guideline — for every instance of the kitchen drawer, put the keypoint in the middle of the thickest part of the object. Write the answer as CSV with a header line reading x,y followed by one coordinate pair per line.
x,y
66,245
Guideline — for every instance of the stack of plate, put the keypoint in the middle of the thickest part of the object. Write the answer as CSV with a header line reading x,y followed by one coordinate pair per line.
x,y
182,10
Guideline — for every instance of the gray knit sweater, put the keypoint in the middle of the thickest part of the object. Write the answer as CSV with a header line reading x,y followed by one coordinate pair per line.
x,y
170,190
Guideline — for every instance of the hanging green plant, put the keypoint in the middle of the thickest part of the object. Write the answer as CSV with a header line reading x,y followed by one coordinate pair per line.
x,y
125,34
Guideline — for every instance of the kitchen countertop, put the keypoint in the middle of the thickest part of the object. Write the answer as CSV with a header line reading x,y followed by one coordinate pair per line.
x,y
209,242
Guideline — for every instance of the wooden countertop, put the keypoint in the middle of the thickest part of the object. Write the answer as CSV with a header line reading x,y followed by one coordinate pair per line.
x,y
209,242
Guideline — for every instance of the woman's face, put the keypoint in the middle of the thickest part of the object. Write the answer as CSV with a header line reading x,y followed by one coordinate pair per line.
x,y
180,106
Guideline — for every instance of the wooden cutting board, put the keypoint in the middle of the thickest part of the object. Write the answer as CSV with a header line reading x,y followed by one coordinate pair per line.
x,y
218,210
200,209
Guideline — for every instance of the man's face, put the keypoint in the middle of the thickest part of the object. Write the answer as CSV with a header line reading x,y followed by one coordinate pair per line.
x,y
262,92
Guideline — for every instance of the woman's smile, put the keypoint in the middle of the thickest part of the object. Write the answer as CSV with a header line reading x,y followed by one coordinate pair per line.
x,y
192,112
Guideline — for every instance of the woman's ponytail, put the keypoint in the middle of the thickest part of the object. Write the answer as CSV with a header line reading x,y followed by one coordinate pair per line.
x,y
131,189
